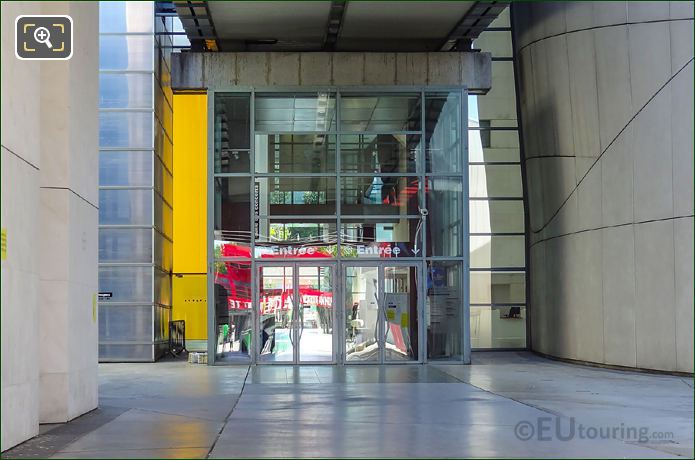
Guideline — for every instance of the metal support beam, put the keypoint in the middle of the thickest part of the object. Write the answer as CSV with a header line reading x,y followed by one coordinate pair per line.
x,y
197,22
335,23
471,25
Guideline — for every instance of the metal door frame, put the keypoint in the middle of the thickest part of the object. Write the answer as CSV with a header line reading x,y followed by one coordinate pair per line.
x,y
295,264
380,264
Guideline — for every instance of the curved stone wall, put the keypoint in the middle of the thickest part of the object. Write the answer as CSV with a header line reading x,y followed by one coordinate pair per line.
x,y
606,100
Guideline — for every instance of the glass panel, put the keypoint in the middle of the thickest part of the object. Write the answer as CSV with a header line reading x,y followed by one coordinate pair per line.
x,y
233,321
498,287
163,252
498,327
379,195
496,216
295,112
283,238
498,43
125,168
497,251
163,216
445,216
162,316
495,181
125,323
275,310
493,146
125,207
498,107
361,313
287,196
125,91
443,310
126,129
443,137
380,113
111,352
126,17
162,287
400,312
295,153
127,283
232,217
315,321
379,153
125,245
126,52
232,133
383,238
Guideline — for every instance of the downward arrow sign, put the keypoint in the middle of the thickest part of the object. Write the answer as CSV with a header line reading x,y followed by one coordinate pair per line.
x,y
415,251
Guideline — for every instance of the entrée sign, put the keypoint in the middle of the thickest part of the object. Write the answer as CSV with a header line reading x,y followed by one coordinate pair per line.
x,y
312,251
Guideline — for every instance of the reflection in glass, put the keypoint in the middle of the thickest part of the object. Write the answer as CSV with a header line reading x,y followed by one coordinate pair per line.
x,y
497,251
496,216
309,112
361,313
232,217
498,287
283,238
287,196
125,91
443,310
493,146
498,327
275,312
445,217
443,139
125,167
380,113
233,323
379,195
129,130
400,314
495,181
232,135
295,153
383,238
315,314
379,153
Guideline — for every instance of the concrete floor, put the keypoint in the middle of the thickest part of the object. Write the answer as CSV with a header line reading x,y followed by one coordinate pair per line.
x,y
489,409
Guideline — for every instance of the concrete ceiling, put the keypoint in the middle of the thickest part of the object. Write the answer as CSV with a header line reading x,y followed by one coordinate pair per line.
x,y
335,26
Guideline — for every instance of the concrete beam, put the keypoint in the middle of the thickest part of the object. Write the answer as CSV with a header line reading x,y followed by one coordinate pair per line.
x,y
220,71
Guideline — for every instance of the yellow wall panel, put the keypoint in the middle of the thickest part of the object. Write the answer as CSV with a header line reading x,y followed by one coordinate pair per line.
x,y
189,299
189,283
190,183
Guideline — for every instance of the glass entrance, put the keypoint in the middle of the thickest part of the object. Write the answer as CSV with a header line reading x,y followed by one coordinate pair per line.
x,y
295,313
381,313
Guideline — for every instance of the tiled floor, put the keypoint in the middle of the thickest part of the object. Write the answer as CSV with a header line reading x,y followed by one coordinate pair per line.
x,y
179,410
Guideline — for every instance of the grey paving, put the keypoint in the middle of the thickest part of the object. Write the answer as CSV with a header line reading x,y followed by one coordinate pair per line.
x,y
180,410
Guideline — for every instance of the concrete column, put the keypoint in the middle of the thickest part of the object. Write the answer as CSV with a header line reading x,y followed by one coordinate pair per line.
x,y
20,223
68,240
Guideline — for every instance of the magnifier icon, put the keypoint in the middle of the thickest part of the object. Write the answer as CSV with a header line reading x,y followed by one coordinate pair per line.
x,y
42,35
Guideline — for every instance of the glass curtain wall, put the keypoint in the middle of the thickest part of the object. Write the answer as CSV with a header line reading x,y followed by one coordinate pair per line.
x,y
497,241
347,176
135,181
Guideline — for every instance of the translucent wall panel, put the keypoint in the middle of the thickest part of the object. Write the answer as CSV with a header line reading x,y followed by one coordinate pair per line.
x,y
125,244
126,17
125,90
125,207
125,168
127,283
126,130
132,323
126,52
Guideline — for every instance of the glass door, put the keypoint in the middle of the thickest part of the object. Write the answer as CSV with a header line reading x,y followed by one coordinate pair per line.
x,y
381,312
295,313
